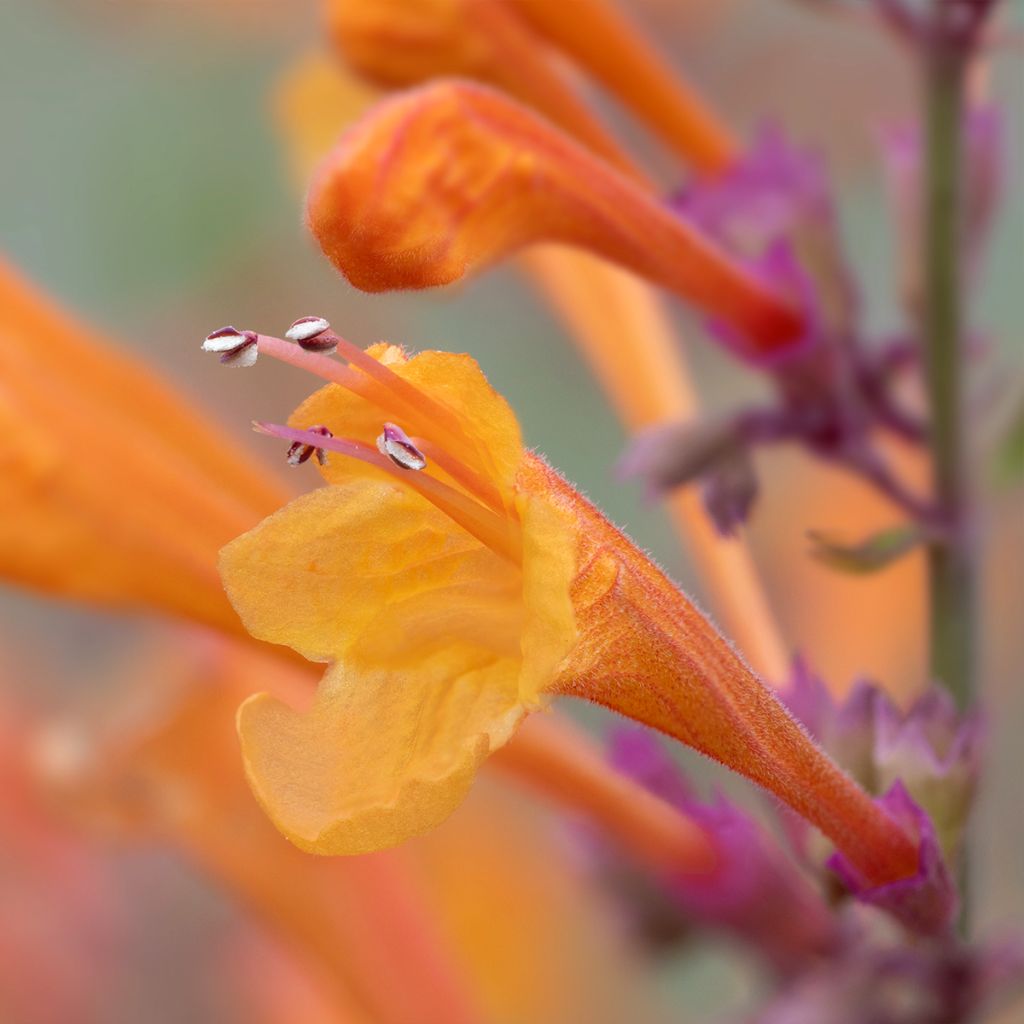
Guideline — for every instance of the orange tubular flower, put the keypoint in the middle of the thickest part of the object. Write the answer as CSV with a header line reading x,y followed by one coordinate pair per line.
x,y
455,583
500,178
114,490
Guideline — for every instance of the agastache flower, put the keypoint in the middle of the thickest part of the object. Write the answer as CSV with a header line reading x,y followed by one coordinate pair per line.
x,y
499,178
621,325
453,600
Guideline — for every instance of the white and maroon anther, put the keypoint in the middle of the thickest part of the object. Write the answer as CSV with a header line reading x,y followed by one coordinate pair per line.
x,y
235,347
314,334
298,453
398,447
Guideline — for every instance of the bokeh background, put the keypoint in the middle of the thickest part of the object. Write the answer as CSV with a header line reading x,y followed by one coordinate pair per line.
x,y
143,181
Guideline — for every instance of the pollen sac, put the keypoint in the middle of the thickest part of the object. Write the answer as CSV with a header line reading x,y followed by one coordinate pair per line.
x,y
298,453
398,447
313,333
235,347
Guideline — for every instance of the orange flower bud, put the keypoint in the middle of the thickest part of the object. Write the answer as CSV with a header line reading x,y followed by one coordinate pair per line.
x,y
450,178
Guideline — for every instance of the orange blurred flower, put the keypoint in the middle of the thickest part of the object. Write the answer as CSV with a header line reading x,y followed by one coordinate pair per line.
x,y
519,46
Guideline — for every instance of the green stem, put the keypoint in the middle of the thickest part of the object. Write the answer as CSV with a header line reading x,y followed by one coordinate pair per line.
x,y
951,563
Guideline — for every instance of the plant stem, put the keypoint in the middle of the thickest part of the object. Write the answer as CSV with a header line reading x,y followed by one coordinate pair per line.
x,y
951,568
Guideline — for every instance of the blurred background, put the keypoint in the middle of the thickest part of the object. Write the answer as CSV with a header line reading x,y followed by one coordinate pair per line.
x,y
144,183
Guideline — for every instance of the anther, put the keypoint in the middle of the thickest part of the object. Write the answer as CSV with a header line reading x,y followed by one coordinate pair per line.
x,y
314,334
235,347
298,453
398,447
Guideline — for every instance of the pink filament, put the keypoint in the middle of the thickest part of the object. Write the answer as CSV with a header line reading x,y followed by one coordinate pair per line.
x,y
498,534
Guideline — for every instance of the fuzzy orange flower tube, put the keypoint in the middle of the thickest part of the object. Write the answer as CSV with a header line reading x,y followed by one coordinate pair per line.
x,y
498,178
455,583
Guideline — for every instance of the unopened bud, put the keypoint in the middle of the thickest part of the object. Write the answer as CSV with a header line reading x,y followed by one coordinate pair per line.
x,y
398,447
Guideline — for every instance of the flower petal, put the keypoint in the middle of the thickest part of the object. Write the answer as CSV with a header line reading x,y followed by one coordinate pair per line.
x,y
441,646
381,756
450,178
369,568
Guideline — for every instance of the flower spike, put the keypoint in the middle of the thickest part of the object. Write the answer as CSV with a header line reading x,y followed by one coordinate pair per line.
x,y
448,179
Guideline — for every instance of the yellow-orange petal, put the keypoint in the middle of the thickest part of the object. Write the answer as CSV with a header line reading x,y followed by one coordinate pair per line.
x,y
597,35
115,489
402,43
380,757
371,569
452,177
440,647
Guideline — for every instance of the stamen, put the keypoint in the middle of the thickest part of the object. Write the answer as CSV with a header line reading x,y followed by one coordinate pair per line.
x,y
399,448
501,535
298,453
314,334
236,348
391,394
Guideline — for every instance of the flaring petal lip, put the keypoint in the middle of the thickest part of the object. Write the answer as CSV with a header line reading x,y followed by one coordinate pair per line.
x,y
451,178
